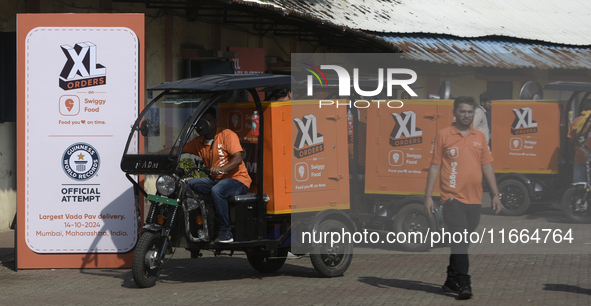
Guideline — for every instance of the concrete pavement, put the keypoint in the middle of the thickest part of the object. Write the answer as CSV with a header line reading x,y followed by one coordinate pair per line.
x,y
372,279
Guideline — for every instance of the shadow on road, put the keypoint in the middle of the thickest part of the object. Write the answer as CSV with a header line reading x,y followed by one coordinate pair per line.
x,y
404,284
566,288
9,264
187,270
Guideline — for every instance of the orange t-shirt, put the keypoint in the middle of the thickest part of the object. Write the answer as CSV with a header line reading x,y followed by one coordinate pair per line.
x,y
579,155
224,145
461,159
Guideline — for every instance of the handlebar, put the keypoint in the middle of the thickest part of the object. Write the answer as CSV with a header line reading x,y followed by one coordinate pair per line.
x,y
207,170
201,168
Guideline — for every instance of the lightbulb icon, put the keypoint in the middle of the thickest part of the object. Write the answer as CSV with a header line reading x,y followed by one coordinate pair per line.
x,y
69,104
235,120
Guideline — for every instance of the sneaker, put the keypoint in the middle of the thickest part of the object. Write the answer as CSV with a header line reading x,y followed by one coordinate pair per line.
x,y
225,236
465,292
451,286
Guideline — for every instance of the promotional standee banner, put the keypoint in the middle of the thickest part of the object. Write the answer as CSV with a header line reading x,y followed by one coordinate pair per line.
x,y
79,86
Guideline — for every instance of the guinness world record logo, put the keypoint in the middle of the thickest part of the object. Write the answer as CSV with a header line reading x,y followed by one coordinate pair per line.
x,y
80,161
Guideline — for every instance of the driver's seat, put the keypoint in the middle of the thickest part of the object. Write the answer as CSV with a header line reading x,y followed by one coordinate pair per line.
x,y
244,215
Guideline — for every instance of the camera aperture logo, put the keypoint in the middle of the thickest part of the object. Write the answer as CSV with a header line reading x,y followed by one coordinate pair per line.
x,y
81,69
317,77
81,161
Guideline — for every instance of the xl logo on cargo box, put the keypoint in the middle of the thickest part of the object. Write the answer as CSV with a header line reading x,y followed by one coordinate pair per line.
x,y
523,123
308,141
82,62
405,131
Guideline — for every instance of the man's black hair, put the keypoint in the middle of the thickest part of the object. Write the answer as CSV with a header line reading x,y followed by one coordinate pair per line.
x,y
585,105
211,111
278,93
484,97
465,100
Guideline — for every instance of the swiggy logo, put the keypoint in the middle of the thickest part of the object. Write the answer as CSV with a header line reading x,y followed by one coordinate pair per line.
x,y
81,69
308,140
405,131
345,80
453,152
523,123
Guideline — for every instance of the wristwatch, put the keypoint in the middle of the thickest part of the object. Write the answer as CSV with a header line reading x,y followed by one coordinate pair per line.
x,y
495,194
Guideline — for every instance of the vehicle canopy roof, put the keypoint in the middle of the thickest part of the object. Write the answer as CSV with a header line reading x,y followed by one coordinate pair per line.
x,y
370,82
223,82
570,86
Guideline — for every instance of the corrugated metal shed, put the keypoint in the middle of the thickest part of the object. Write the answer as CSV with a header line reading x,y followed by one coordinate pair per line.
x,y
561,22
480,33
491,52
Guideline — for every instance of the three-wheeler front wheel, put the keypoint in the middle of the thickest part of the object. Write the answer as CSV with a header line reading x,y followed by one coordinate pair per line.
x,y
332,260
574,207
146,260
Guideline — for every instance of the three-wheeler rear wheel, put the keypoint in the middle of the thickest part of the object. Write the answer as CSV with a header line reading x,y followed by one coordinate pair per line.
x,y
413,220
332,260
146,266
264,262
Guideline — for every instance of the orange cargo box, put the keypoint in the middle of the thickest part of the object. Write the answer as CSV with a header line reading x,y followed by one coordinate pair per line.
x,y
525,136
398,141
398,145
305,153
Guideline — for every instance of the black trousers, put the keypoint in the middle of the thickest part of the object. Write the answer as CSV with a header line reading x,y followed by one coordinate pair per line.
x,y
460,217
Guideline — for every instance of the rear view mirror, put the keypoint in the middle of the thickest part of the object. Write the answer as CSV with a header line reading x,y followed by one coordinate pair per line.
x,y
144,128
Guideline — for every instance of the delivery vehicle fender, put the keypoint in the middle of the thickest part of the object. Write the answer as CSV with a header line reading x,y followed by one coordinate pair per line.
x,y
332,214
152,228
580,186
529,184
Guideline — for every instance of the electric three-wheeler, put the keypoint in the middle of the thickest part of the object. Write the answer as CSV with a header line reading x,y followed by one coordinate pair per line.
x,y
261,221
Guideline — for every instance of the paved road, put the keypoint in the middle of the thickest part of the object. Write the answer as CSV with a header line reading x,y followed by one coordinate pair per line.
x,y
376,279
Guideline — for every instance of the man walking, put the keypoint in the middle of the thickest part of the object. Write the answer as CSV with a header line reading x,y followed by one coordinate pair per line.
x,y
461,155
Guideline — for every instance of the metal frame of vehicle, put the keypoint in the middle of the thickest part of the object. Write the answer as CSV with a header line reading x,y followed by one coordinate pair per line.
x,y
217,84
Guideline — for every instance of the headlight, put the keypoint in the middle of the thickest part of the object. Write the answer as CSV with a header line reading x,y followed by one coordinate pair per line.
x,y
166,185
